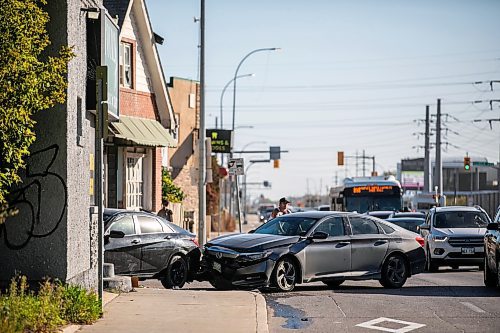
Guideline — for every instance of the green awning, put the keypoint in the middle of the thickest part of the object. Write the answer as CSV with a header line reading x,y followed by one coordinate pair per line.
x,y
142,132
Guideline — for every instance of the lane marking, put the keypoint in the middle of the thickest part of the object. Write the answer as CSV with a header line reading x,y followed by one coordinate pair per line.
x,y
473,307
409,325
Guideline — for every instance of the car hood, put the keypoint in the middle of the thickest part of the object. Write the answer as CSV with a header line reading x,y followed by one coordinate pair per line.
x,y
253,242
460,232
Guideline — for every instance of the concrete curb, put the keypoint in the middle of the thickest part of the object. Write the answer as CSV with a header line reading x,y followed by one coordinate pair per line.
x,y
261,313
107,297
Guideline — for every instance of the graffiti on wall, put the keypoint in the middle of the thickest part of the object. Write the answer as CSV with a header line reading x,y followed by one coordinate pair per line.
x,y
42,202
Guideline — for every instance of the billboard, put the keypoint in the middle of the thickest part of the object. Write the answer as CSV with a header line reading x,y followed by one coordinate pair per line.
x,y
412,179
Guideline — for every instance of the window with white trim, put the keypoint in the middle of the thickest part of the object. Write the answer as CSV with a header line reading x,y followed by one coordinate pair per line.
x,y
126,64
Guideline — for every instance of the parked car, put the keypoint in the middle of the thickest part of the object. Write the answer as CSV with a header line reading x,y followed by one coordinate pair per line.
x,y
407,214
492,253
454,236
265,210
381,214
314,246
144,245
409,223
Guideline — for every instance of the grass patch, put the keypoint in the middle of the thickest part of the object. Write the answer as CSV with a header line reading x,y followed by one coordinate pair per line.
x,y
54,305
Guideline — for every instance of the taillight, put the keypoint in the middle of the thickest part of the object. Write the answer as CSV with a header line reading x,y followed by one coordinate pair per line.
x,y
194,240
420,241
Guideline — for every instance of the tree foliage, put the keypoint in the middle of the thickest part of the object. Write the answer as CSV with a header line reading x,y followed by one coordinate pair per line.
x,y
169,190
30,81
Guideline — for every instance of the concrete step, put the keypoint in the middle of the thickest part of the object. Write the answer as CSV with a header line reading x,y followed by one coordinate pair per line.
x,y
118,283
108,270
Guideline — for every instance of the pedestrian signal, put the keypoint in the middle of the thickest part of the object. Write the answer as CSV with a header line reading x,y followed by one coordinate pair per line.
x,y
467,163
276,164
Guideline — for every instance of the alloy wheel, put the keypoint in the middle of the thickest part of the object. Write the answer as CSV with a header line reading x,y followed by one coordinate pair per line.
x,y
178,272
285,275
396,270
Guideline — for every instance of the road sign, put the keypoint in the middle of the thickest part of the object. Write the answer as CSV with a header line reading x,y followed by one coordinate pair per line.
x,y
235,166
479,163
221,140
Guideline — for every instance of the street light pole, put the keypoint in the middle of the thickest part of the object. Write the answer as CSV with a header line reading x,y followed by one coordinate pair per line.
x,y
236,74
222,95
202,191
234,100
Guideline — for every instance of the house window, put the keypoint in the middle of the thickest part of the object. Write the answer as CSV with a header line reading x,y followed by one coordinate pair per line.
x,y
126,65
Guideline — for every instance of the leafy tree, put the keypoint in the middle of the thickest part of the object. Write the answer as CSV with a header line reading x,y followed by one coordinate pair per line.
x,y
30,81
169,190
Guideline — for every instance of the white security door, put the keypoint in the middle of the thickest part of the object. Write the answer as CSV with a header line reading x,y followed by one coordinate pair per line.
x,y
134,182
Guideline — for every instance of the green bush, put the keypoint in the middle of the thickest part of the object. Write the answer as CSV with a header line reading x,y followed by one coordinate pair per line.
x,y
30,81
80,306
169,190
55,304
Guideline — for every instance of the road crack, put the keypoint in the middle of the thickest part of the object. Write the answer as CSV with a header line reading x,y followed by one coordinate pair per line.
x,y
338,306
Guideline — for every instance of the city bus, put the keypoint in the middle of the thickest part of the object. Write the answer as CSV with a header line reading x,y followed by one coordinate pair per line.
x,y
367,194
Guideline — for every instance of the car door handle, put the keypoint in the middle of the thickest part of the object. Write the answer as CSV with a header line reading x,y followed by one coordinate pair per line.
x,y
342,244
380,242
135,241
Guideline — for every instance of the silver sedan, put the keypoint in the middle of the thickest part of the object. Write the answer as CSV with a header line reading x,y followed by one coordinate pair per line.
x,y
314,246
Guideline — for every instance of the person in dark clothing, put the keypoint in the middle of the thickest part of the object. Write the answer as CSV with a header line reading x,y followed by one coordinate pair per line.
x,y
282,208
165,212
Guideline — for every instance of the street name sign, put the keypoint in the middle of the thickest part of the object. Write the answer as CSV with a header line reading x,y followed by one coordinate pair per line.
x,y
479,163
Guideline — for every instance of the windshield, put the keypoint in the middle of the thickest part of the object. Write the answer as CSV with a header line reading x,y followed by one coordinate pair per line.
x,y
460,220
407,224
366,204
287,226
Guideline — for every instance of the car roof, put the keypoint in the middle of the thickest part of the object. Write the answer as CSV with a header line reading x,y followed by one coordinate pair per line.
x,y
406,219
316,214
457,208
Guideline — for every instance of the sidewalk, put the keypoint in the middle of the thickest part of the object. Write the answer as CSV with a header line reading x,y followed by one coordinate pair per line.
x,y
160,310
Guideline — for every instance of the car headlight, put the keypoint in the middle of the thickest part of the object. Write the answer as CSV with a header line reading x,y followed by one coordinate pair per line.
x,y
253,256
440,238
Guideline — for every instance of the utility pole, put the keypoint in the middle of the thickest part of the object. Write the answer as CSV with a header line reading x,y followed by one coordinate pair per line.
x,y
439,163
427,157
356,163
202,192
364,164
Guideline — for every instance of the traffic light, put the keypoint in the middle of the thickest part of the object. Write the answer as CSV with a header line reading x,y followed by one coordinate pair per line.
x,y
467,163
276,164
340,158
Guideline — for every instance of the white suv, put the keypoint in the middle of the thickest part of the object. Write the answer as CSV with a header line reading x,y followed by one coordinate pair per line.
x,y
454,236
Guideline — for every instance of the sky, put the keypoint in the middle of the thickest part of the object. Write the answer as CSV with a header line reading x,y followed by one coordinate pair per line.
x,y
351,76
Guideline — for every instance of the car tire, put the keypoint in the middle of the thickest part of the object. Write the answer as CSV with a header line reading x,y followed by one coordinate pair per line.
x,y
333,283
490,279
176,273
284,275
394,272
430,265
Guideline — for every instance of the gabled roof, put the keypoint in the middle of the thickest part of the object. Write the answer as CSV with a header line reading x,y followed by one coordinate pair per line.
x,y
122,9
117,8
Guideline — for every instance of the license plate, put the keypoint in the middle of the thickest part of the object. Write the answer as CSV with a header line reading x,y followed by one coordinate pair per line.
x,y
468,250
217,267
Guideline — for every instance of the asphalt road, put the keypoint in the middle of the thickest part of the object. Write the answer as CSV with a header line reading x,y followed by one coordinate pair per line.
x,y
446,301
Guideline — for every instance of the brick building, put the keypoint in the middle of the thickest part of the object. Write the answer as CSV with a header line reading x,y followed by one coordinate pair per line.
x,y
141,137
184,94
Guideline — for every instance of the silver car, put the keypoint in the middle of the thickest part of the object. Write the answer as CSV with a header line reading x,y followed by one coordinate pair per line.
x,y
454,236
314,246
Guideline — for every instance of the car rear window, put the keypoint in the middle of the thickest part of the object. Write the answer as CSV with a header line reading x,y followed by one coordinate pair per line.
x,y
386,228
149,225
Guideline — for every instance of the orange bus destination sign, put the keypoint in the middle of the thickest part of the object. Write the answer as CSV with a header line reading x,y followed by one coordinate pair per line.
x,y
371,189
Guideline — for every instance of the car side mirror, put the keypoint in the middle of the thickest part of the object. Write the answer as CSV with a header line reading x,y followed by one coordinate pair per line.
x,y
319,235
423,226
492,226
116,234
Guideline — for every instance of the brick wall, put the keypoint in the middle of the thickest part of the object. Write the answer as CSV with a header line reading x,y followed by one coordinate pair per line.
x,y
138,104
